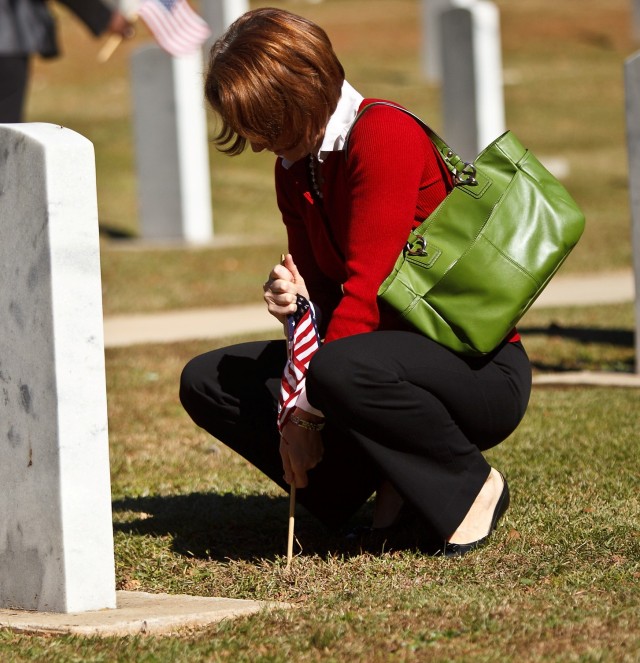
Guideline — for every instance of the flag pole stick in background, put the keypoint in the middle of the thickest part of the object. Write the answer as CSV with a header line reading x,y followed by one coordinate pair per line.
x,y
113,41
109,48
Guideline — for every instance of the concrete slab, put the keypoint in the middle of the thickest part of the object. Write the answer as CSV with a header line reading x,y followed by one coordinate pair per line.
x,y
195,324
136,613
588,290
186,325
588,378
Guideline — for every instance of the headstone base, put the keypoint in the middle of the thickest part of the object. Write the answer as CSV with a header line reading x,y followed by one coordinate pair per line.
x,y
137,613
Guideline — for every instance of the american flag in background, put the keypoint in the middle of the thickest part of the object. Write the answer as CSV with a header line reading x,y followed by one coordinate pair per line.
x,y
303,339
176,27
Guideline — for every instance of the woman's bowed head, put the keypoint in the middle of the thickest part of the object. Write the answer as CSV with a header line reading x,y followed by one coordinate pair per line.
x,y
378,407
274,80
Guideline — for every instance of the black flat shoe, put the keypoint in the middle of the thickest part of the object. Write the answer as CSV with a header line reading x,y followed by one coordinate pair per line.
x,y
460,549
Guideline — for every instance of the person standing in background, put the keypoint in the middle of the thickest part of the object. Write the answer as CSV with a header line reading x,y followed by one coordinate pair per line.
x,y
27,27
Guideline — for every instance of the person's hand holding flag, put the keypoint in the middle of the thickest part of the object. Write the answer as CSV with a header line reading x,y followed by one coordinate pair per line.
x,y
176,27
300,443
287,298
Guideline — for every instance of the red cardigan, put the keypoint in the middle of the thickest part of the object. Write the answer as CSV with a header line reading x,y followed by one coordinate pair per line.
x,y
346,244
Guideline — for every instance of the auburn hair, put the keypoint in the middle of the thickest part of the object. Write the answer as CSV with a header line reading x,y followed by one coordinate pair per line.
x,y
274,80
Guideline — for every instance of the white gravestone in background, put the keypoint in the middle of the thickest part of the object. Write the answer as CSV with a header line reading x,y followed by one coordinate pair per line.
x,y
56,535
632,103
220,14
472,89
431,53
172,151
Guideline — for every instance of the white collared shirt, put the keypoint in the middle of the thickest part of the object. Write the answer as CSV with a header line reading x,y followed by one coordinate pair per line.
x,y
339,123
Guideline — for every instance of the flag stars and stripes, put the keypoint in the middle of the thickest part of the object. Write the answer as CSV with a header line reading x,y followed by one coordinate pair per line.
x,y
176,27
302,342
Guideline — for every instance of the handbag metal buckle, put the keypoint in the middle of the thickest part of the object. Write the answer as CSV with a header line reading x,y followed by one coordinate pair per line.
x,y
466,176
420,251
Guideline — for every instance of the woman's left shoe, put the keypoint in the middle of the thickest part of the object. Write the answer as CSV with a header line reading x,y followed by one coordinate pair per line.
x,y
460,549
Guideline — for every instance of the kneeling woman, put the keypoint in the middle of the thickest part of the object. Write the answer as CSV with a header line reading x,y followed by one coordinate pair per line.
x,y
384,409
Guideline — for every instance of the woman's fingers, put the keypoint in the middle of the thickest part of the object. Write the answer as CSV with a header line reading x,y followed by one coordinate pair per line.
x,y
285,279
281,272
286,463
297,277
280,302
280,287
301,450
293,473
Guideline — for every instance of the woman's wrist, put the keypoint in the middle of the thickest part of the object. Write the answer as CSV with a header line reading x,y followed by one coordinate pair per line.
x,y
305,410
307,425
306,420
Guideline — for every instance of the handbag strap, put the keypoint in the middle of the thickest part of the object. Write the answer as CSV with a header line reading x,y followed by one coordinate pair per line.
x,y
463,172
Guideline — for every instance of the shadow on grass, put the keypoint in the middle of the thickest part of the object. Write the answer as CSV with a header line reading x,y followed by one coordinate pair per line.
x,y
622,338
613,338
227,526
113,232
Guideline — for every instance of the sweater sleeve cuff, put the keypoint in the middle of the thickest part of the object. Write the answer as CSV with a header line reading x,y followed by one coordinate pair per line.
x,y
304,404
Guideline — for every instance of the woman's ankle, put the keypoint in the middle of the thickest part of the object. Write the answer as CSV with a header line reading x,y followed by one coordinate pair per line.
x,y
477,523
388,504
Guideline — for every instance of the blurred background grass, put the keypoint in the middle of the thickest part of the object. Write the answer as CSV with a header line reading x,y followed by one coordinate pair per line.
x,y
564,95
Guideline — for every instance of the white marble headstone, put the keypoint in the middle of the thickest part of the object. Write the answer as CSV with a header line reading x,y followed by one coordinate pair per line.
x,y
220,14
172,158
472,89
632,113
431,44
56,536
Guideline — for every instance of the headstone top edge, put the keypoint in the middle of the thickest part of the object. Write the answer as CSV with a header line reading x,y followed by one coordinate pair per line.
x,y
632,59
149,47
45,133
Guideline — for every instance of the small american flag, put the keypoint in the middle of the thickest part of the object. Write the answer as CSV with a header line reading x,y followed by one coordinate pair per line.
x,y
176,27
303,339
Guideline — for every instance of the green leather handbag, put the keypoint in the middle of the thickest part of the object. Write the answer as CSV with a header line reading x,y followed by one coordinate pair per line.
x,y
473,268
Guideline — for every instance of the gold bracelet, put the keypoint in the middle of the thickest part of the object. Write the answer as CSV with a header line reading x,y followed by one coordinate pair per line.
x,y
307,425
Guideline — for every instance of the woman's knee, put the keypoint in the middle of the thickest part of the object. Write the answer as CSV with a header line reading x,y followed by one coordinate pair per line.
x,y
332,368
192,384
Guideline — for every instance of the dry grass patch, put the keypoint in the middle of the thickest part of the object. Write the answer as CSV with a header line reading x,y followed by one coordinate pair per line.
x,y
558,581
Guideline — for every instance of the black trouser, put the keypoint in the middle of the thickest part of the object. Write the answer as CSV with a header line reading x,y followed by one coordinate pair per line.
x,y
14,73
398,406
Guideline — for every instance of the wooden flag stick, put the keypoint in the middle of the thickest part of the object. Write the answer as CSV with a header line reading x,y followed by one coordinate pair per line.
x,y
114,40
292,500
292,510
109,47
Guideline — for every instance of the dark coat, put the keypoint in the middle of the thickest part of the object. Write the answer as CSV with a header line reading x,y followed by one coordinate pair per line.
x,y
27,26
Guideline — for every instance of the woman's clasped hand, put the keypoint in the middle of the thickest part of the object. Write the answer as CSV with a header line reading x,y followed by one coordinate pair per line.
x,y
282,287
300,449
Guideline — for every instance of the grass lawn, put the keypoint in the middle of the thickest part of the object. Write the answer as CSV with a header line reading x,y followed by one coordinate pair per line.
x,y
560,580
